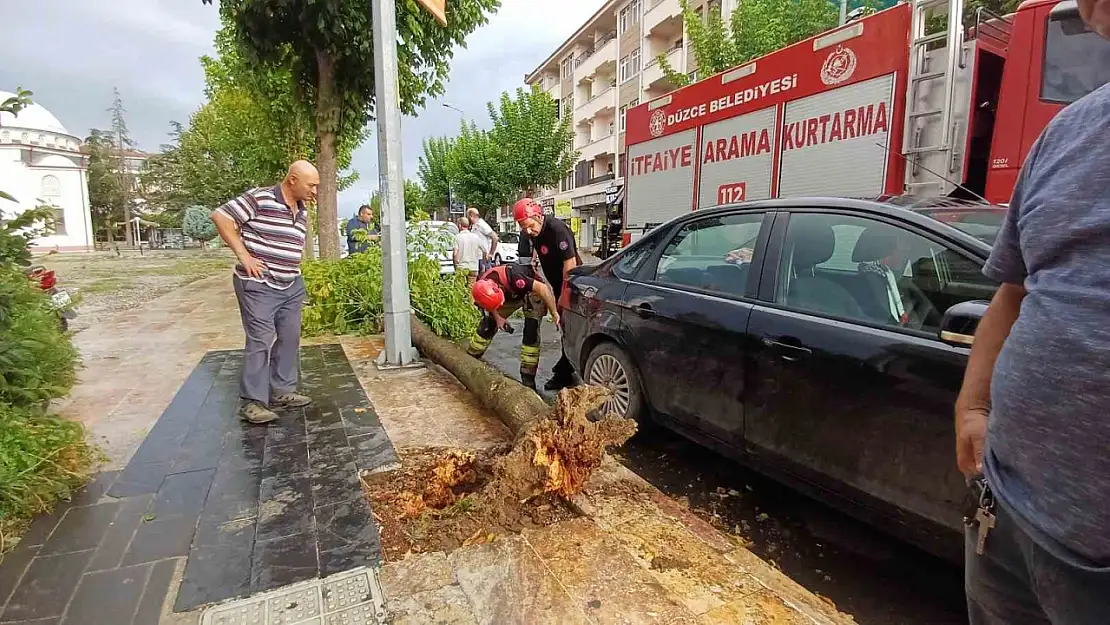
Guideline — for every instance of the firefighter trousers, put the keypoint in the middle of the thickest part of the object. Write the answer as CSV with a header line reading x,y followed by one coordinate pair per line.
x,y
534,310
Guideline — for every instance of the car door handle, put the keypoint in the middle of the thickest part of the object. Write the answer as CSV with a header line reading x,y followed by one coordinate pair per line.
x,y
645,311
789,351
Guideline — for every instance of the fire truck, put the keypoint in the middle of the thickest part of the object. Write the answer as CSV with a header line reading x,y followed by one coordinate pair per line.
x,y
875,107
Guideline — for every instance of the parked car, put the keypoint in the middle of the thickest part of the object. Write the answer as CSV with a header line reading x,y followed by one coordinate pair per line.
x,y
822,341
435,239
506,251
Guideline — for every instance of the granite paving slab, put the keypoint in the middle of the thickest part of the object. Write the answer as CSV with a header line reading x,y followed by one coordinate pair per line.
x,y
249,508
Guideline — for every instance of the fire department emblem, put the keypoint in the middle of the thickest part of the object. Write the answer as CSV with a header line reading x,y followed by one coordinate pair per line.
x,y
658,123
839,66
520,283
563,245
543,250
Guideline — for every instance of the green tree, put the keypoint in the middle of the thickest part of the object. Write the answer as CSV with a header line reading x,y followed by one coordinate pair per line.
x,y
329,45
121,140
198,225
755,28
536,146
416,208
107,197
433,170
478,172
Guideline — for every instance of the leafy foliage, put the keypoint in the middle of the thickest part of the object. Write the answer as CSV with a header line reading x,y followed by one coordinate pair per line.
x,y
346,295
17,234
755,28
536,146
328,44
107,195
42,459
246,135
198,225
416,206
433,169
478,170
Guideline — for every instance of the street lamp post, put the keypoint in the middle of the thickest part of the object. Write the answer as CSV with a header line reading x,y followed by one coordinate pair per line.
x,y
450,189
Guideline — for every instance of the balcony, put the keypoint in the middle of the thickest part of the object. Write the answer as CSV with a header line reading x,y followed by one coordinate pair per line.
x,y
602,59
653,73
663,17
601,145
604,102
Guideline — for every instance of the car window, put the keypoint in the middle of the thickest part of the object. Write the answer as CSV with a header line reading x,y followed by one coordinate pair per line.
x,y
714,254
872,271
631,260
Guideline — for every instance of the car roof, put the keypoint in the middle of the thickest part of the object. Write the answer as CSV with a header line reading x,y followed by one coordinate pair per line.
x,y
910,209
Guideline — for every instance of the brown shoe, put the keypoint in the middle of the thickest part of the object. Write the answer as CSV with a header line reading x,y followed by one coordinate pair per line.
x,y
256,414
291,400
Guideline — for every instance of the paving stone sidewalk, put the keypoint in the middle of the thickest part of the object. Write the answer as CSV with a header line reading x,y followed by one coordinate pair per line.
x,y
634,556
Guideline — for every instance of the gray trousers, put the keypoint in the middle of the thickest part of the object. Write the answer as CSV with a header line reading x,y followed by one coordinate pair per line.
x,y
1018,582
272,323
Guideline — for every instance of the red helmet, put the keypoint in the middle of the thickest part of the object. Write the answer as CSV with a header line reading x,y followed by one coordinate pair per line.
x,y
487,294
526,208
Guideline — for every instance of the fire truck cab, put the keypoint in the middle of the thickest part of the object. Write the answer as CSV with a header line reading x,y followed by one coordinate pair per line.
x,y
876,106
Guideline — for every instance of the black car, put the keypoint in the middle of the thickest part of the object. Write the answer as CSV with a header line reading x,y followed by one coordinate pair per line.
x,y
822,341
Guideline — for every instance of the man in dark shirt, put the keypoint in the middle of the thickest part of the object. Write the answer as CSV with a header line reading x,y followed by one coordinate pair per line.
x,y
553,247
361,222
500,292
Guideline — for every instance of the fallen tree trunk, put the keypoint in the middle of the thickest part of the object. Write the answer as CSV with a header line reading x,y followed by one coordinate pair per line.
x,y
516,405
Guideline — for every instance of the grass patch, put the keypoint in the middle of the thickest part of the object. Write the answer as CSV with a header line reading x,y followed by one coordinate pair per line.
x,y
108,285
42,460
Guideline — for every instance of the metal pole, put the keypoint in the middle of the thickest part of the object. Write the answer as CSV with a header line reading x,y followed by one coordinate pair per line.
x,y
395,288
843,12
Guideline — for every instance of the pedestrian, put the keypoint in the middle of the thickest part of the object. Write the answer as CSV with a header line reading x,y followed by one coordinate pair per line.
x,y
499,293
265,227
1031,415
362,221
479,225
469,251
554,250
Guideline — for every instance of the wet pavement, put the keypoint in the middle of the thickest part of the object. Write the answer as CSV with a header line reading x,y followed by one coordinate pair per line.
x,y
243,508
875,578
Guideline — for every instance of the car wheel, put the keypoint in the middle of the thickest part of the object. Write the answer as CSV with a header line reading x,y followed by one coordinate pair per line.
x,y
610,367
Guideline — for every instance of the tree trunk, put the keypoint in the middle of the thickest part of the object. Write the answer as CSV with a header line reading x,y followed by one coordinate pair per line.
x,y
327,122
517,406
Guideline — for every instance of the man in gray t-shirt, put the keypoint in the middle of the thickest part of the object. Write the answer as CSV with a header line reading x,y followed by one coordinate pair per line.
x,y
1039,375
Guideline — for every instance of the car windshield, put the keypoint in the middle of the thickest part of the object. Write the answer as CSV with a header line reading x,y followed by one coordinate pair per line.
x,y
509,237
981,223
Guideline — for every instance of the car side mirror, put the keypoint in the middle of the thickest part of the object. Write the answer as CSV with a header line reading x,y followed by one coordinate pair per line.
x,y
959,323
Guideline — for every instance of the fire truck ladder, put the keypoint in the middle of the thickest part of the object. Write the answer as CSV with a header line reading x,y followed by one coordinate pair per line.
x,y
917,113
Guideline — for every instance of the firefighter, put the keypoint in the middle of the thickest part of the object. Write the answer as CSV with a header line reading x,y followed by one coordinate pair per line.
x,y
499,293
553,248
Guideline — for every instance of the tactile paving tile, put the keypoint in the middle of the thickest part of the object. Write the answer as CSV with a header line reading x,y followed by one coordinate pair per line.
x,y
350,598
238,613
345,592
293,606
359,615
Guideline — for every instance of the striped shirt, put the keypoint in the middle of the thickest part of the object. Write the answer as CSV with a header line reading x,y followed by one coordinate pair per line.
x,y
271,233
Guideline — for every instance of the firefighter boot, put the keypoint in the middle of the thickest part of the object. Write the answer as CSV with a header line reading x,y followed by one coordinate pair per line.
x,y
487,328
530,352
528,380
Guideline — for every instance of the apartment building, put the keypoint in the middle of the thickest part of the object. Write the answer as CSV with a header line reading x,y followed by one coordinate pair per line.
x,y
610,64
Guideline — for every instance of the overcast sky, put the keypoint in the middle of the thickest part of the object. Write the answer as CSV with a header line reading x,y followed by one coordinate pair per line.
x,y
71,53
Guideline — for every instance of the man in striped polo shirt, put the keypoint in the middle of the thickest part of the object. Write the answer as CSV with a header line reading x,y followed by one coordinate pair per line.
x,y
265,227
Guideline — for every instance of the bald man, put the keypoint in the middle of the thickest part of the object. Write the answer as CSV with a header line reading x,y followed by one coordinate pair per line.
x,y
265,227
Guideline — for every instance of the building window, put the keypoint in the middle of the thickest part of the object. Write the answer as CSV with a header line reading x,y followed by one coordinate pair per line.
x,y
59,225
624,112
693,76
568,67
629,15
51,187
630,66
